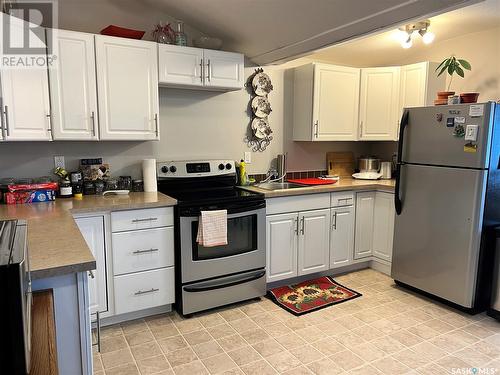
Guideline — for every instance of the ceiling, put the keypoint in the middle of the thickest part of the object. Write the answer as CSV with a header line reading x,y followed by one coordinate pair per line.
x,y
275,31
383,47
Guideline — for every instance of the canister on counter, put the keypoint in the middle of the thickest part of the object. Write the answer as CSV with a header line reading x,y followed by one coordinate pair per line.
x,y
137,186
99,187
88,188
125,183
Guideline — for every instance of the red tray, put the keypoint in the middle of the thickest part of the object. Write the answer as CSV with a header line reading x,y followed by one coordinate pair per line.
x,y
312,181
123,32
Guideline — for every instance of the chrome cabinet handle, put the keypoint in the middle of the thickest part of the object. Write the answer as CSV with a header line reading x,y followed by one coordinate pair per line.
x,y
316,128
334,219
91,274
156,124
296,225
6,112
302,229
201,70
145,251
142,220
92,117
2,124
140,292
209,70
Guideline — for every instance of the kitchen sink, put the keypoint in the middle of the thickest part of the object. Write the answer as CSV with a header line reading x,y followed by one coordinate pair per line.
x,y
279,185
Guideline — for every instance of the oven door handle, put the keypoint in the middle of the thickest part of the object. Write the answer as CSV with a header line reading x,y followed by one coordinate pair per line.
x,y
195,289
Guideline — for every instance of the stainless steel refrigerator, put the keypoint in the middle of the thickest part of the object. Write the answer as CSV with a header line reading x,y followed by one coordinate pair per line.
x,y
447,201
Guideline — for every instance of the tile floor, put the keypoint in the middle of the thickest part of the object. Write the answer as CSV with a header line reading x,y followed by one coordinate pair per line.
x,y
386,331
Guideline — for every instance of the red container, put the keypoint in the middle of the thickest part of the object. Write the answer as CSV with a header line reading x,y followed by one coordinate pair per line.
x,y
122,32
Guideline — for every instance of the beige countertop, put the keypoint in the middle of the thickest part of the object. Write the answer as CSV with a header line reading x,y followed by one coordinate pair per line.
x,y
55,243
341,185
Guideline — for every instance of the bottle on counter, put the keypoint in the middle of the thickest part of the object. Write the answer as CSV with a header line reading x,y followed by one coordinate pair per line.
x,y
65,189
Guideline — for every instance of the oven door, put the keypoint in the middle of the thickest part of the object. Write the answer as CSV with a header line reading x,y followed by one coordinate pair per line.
x,y
245,250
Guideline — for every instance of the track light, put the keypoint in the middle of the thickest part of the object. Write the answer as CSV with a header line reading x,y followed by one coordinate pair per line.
x,y
406,32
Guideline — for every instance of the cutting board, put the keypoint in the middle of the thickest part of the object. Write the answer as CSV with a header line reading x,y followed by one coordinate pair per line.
x,y
312,181
340,163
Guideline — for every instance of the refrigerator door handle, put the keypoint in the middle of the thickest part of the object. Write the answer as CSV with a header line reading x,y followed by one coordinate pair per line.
x,y
398,204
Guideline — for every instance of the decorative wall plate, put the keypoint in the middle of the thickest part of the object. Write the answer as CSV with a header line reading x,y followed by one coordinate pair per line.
x,y
261,106
261,84
261,128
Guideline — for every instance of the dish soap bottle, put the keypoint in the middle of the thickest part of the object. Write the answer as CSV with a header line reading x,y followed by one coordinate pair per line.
x,y
180,36
243,177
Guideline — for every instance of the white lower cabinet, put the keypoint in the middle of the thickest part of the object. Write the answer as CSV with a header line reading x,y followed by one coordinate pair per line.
x,y
342,236
314,247
365,205
281,246
383,225
92,229
143,290
297,244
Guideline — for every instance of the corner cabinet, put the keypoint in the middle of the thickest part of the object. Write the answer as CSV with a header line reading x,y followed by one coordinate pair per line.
x,y
127,82
383,225
363,241
188,67
379,103
326,101
73,90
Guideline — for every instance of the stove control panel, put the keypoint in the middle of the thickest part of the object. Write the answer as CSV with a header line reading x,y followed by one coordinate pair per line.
x,y
198,168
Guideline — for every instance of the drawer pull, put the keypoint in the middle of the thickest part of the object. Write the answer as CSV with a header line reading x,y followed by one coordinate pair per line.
x,y
142,220
145,251
140,292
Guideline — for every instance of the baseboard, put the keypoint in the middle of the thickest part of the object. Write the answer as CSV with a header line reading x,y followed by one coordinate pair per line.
x,y
381,266
135,315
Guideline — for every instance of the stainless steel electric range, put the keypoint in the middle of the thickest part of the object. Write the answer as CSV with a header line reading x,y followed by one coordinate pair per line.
x,y
209,277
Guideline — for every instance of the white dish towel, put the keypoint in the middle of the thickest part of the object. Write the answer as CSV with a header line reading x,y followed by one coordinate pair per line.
x,y
212,228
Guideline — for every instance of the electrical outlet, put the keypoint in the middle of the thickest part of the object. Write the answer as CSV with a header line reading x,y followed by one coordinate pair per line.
x,y
59,161
248,157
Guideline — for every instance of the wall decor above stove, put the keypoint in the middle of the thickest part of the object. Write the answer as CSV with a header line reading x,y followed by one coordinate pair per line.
x,y
259,134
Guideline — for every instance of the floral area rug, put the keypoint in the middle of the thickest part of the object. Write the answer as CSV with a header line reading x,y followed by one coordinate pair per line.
x,y
311,295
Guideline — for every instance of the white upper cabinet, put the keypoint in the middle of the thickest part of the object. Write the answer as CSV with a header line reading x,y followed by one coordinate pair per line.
x,y
73,89
199,68
383,225
180,65
379,103
314,241
25,104
127,83
326,103
419,84
223,69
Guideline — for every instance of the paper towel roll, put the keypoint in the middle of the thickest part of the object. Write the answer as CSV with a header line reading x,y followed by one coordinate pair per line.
x,y
149,175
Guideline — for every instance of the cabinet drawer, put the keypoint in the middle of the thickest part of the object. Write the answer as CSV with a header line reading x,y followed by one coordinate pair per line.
x,y
141,219
297,203
143,290
342,199
143,250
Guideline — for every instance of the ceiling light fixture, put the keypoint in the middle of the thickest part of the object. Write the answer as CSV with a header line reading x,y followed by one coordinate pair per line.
x,y
406,32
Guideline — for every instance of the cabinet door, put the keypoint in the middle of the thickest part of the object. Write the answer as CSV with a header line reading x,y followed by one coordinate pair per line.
x,y
92,229
180,65
281,246
314,241
363,242
127,83
223,69
413,85
379,103
73,89
383,225
335,103
342,236
25,102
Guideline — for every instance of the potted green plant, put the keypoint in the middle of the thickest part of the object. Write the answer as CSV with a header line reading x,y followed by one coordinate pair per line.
x,y
452,66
